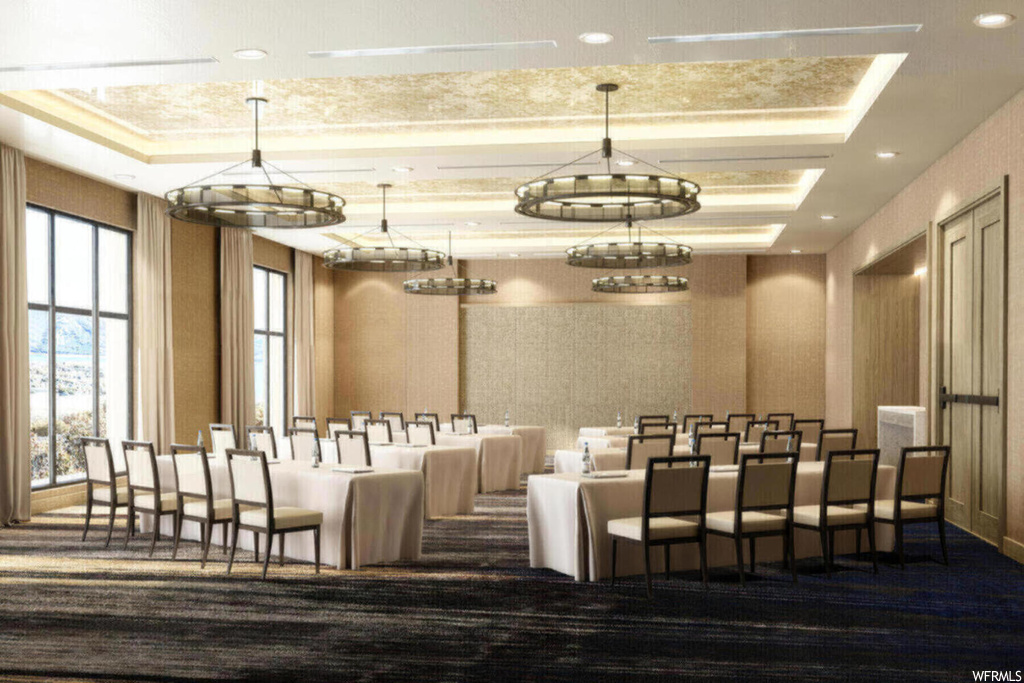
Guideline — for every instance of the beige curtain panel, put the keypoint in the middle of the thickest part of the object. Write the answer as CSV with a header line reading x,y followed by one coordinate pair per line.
x,y
15,472
153,329
305,362
238,389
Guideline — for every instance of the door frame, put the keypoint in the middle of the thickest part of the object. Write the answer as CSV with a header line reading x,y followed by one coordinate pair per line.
x,y
936,321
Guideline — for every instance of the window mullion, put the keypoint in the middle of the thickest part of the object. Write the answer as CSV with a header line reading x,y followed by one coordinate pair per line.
x,y
95,330
52,369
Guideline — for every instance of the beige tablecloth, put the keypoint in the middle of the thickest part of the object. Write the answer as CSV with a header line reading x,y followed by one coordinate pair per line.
x,y
568,523
368,518
449,475
603,459
603,437
498,458
535,444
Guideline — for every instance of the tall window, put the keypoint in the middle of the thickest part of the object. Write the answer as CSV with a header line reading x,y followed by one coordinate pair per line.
x,y
80,327
269,318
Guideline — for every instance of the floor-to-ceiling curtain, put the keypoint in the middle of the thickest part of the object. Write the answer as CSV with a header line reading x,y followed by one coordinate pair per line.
x,y
154,414
237,374
305,368
15,477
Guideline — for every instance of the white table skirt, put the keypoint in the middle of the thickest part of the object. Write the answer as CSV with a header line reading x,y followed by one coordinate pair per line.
x,y
568,523
535,444
498,458
449,475
605,458
368,518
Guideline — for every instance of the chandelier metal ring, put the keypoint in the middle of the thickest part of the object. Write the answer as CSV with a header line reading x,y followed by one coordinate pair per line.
x,y
604,198
640,284
616,255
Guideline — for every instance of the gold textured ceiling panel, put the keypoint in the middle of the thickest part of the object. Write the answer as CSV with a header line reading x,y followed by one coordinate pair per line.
x,y
817,88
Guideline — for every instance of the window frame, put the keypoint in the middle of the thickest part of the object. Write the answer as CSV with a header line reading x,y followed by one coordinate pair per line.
x,y
268,334
52,310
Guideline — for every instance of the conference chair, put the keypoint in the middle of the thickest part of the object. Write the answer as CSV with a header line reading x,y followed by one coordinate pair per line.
x,y
785,420
359,417
144,493
335,424
848,481
196,501
101,486
810,429
755,428
690,420
737,422
420,433
780,441
674,512
378,431
763,507
433,417
251,490
261,438
222,437
304,443
835,440
658,428
353,448
464,423
641,448
396,419
722,447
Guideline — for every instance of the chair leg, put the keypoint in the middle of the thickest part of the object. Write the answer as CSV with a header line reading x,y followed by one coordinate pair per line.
x,y
703,543
871,545
942,540
824,550
177,535
615,552
110,525
234,546
280,550
791,547
224,538
647,569
256,546
668,565
88,516
316,548
752,555
899,545
785,550
208,537
739,560
266,556
858,544
128,526
156,533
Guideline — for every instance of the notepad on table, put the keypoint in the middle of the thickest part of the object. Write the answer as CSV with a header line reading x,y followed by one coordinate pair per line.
x,y
352,470
604,475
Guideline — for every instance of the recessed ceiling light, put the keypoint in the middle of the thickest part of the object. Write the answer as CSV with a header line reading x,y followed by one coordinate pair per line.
x,y
401,169
788,33
432,49
794,251
886,155
513,255
472,224
596,38
71,66
123,176
625,162
249,53
994,20
921,272
827,217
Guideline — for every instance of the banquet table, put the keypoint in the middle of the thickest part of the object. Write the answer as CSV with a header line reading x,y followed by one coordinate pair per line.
x,y
603,437
535,444
605,459
498,458
568,517
368,518
449,474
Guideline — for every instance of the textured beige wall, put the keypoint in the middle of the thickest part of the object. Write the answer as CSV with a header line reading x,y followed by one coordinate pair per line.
x,y
195,288
393,351
568,365
972,167
63,190
323,339
786,335
271,255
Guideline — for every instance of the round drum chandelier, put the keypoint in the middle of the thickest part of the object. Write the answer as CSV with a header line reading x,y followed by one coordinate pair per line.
x,y
607,197
640,284
450,286
288,205
386,259
630,254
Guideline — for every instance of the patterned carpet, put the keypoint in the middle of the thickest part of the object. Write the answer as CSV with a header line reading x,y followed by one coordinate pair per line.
x,y
472,609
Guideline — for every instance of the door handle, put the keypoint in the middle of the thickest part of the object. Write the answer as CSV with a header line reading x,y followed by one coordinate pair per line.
x,y
971,399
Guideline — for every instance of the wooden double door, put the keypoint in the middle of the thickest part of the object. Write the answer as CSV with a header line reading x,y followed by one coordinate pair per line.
x,y
973,366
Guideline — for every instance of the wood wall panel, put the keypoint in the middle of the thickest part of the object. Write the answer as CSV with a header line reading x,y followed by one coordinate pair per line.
x,y
195,273
886,348
57,188
393,351
786,335
973,167
323,339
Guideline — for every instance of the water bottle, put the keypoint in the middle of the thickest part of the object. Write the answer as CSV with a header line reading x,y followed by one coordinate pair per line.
x,y
636,424
675,415
618,420
693,437
588,465
199,440
507,418
316,452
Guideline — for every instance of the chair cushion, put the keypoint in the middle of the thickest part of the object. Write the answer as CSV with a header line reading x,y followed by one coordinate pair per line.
x,y
284,518
661,528
103,493
168,501
908,510
837,515
753,520
221,509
